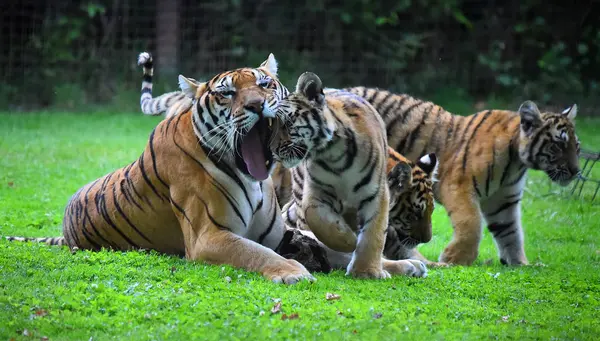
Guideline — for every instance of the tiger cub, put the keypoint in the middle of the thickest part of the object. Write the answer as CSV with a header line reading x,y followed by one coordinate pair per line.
x,y
483,163
410,209
339,145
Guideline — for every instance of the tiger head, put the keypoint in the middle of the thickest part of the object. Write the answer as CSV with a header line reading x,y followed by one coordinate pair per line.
x,y
411,204
548,142
309,125
233,115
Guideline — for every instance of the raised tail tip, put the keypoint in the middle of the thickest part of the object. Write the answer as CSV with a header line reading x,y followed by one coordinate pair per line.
x,y
145,59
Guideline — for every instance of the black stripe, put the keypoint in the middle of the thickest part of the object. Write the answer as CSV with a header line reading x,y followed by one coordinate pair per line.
x,y
490,175
210,217
414,135
147,78
89,238
147,91
213,117
532,144
512,183
87,214
181,210
118,207
367,200
153,156
147,179
100,200
262,237
503,207
465,155
475,186
401,118
367,178
497,228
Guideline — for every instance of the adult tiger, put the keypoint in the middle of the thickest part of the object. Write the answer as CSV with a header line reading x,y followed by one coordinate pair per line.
x,y
201,188
483,162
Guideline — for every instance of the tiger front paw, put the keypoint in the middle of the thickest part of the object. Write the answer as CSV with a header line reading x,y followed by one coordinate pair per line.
x,y
374,272
407,267
459,255
289,271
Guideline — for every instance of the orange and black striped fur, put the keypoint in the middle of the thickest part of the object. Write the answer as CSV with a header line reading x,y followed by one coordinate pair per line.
x,y
483,162
201,188
172,102
338,142
410,209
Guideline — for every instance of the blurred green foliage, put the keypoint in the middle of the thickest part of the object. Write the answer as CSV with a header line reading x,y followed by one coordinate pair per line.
x,y
516,50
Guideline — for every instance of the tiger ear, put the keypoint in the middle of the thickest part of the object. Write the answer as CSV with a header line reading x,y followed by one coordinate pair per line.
x,y
270,65
190,86
429,164
400,177
571,112
311,87
530,116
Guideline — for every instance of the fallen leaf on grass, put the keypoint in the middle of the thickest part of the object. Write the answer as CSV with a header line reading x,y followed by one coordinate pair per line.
x,y
261,313
276,308
44,338
173,269
227,279
329,296
339,313
354,331
25,332
505,318
290,317
10,184
41,312
377,315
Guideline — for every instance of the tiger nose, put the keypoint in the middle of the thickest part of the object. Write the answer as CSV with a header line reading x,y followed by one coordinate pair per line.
x,y
574,169
255,106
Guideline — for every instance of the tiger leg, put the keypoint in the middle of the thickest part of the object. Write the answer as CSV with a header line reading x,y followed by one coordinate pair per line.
x,y
327,224
466,221
206,241
504,222
217,246
373,219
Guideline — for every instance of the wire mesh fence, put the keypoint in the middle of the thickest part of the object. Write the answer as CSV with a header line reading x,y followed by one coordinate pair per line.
x,y
84,50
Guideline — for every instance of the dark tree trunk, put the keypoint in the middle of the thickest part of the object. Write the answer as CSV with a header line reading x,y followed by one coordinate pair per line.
x,y
167,36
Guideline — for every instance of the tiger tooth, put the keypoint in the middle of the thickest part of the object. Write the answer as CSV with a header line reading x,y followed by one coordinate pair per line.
x,y
267,163
270,122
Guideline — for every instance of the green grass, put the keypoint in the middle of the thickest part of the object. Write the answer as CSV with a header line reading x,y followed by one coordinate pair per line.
x,y
44,158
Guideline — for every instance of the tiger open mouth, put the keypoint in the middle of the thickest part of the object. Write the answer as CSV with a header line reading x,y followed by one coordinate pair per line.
x,y
256,157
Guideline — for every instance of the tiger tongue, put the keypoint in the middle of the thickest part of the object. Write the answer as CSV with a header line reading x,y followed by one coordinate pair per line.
x,y
254,156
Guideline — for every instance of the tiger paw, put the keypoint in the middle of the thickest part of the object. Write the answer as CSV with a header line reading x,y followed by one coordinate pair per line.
x,y
288,271
407,267
373,272
459,255
335,234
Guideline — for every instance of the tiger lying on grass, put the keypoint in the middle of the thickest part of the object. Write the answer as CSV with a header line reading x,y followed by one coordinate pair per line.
x,y
201,188
483,162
